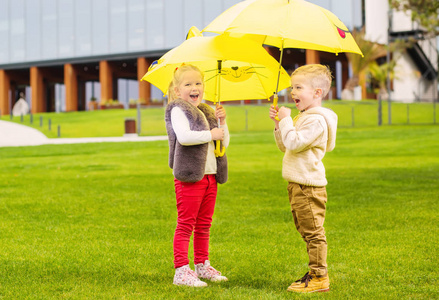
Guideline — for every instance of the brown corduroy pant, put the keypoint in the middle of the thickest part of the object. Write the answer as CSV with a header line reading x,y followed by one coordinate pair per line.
x,y
308,205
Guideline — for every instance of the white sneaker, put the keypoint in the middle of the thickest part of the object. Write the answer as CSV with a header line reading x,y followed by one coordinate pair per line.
x,y
185,276
206,271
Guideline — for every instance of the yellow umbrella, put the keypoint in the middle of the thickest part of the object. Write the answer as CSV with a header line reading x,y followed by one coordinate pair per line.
x,y
286,24
234,68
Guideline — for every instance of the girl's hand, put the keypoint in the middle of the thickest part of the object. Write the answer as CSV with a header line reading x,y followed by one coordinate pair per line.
x,y
220,113
217,134
273,112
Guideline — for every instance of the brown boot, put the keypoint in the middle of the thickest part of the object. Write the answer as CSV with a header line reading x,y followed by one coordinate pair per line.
x,y
310,283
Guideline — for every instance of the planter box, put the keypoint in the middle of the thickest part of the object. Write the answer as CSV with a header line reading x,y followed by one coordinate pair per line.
x,y
118,106
92,105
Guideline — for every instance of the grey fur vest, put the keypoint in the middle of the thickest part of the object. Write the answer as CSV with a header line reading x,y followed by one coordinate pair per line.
x,y
188,162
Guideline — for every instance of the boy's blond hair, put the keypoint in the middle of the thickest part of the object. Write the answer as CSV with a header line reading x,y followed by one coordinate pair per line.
x,y
319,76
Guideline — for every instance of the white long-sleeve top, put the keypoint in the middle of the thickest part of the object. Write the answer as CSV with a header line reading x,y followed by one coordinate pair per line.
x,y
188,137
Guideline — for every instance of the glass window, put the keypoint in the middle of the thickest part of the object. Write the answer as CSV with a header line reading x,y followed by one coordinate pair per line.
x,y
155,23
17,31
49,25
348,11
133,87
156,94
33,30
211,11
60,97
118,26
92,90
173,24
343,9
66,35
83,27
4,32
191,18
100,27
127,91
357,13
136,25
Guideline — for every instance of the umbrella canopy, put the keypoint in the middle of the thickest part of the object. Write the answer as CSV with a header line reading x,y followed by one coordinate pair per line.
x,y
234,68
287,24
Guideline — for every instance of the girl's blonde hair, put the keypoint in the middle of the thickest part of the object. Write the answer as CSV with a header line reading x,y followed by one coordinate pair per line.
x,y
178,73
319,76
171,92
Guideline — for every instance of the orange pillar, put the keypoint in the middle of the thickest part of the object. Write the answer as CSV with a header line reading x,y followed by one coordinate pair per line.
x,y
106,80
5,88
144,86
312,57
71,85
37,86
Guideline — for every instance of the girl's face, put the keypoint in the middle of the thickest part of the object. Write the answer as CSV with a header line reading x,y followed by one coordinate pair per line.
x,y
303,94
190,88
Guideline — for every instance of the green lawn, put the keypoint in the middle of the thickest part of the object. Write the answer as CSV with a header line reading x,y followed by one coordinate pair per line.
x,y
103,123
96,221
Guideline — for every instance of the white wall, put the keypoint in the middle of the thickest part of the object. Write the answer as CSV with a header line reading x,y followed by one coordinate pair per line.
x,y
401,21
407,80
409,85
376,20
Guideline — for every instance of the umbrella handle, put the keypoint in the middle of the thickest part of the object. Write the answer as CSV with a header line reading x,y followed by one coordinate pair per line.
x,y
275,98
218,151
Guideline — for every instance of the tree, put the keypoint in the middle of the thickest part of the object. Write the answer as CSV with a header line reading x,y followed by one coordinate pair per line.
x,y
425,12
378,75
373,51
359,64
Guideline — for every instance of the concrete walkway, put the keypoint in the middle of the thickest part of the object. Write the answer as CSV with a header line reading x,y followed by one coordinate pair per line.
x,y
17,135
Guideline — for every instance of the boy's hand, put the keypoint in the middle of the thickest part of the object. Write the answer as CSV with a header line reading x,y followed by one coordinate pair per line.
x,y
217,134
220,113
284,112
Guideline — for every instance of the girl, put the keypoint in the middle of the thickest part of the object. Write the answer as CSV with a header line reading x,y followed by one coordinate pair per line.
x,y
192,129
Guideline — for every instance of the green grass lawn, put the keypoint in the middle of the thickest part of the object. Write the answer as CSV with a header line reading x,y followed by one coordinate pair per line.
x,y
104,123
96,221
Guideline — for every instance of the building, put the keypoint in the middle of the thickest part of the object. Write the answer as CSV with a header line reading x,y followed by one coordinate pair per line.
x,y
64,53
417,67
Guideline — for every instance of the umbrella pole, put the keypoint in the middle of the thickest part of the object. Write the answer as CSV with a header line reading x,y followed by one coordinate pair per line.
x,y
218,84
275,96
219,151
280,65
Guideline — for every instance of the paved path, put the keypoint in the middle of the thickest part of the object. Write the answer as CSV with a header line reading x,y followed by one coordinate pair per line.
x,y
17,135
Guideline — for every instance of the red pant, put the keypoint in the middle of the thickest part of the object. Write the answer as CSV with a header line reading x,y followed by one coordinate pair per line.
x,y
195,206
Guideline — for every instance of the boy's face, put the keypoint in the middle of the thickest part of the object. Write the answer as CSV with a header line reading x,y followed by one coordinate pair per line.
x,y
303,94
191,87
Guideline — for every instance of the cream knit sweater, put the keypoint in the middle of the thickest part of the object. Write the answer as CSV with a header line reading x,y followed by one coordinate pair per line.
x,y
305,142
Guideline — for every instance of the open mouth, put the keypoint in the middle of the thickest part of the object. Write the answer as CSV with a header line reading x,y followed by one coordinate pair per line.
x,y
194,97
297,101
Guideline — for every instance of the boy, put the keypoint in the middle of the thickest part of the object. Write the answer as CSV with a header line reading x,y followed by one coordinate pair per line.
x,y
305,140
